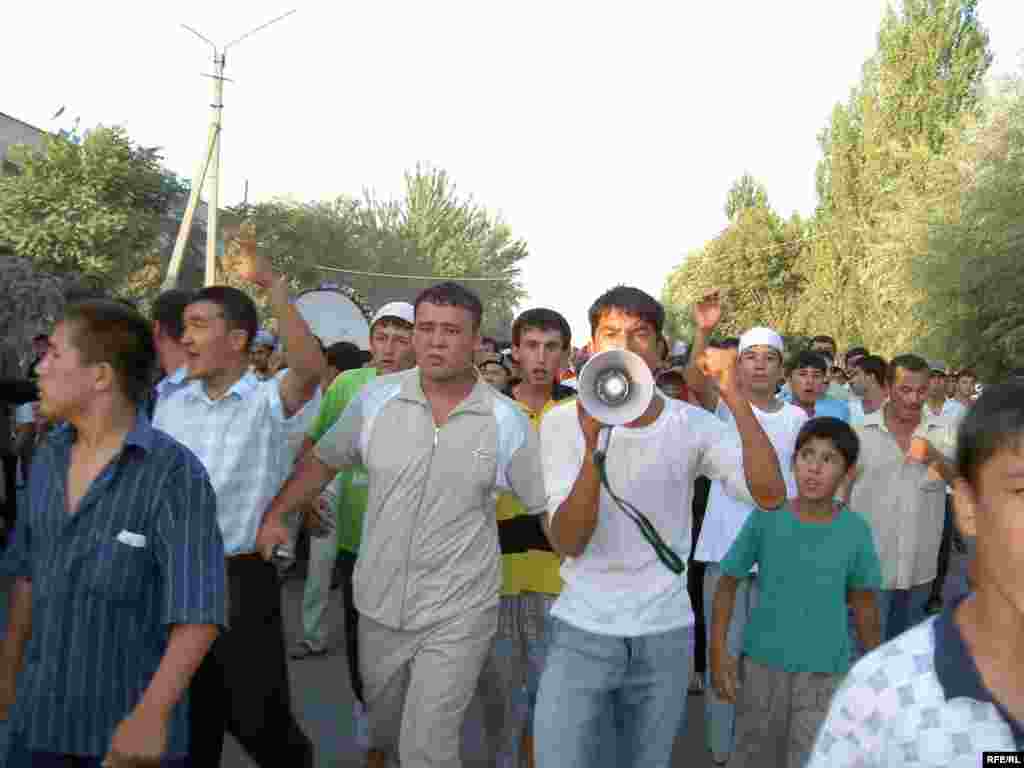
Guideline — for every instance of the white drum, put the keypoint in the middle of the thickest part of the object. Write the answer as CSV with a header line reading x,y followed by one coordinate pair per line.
x,y
334,316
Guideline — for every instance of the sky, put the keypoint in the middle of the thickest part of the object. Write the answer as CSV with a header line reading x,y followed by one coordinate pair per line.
x,y
606,134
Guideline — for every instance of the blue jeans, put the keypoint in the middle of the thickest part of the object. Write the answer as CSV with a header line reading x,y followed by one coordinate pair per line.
x,y
719,714
901,609
642,680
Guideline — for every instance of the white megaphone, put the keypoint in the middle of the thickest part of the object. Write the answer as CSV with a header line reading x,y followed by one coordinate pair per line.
x,y
616,387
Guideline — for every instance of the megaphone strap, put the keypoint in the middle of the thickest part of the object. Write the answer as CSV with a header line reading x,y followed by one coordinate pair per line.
x,y
665,553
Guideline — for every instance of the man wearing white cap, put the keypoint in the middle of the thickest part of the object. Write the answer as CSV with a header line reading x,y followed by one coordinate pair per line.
x,y
760,367
391,350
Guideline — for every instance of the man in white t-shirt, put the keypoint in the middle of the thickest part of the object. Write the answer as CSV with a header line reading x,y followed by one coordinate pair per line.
x,y
622,628
761,356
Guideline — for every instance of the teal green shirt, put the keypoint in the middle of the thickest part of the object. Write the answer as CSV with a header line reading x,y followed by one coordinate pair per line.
x,y
353,490
800,622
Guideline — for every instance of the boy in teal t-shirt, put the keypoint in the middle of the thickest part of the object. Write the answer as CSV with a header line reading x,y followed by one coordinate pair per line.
x,y
813,557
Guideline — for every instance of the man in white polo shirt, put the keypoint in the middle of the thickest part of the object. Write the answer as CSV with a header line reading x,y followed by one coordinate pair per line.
x,y
238,426
622,628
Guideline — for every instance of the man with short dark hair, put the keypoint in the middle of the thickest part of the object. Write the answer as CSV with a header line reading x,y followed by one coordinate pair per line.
x,y
869,382
240,428
966,381
940,406
119,563
438,444
824,345
622,627
808,382
900,487
168,328
391,352
540,338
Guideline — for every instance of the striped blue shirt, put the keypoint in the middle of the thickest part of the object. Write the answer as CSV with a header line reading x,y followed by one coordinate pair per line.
x,y
142,552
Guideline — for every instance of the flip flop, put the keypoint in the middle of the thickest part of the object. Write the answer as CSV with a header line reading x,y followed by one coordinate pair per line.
x,y
304,651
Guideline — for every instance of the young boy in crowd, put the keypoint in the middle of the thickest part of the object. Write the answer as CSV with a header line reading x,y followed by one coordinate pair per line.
x,y
950,689
812,557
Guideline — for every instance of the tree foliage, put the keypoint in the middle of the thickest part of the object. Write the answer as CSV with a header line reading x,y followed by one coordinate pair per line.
x,y
406,244
971,275
91,208
891,174
753,263
746,192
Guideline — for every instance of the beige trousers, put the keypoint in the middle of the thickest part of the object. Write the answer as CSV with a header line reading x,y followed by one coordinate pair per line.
x,y
418,685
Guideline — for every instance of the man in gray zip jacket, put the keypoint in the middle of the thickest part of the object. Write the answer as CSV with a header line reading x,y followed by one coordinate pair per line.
x,y
438,444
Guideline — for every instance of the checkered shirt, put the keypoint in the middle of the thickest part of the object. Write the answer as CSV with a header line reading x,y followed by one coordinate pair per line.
x,y
243,440
915,702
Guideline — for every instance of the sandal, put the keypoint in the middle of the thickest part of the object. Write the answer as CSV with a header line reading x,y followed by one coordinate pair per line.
x,y
304,650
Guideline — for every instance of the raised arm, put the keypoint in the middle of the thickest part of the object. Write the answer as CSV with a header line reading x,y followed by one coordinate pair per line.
x,y
707,313
761,467
306,363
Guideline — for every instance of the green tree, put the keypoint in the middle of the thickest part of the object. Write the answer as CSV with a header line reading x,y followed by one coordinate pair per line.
x,y
455,237
404,244
971,273
91,209
888,172
746,192
753,265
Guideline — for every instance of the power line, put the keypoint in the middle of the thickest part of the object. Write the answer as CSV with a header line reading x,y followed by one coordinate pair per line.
x,y
413,277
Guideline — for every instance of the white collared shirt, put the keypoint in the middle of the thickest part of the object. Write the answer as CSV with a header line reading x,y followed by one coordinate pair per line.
x,y
243,441
903,501
168,385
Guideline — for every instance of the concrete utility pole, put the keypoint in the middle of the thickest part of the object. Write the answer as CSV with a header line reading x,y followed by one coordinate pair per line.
x,y
209,168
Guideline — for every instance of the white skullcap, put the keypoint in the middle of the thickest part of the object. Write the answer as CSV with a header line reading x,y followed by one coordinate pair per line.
x,y
761,337
402,310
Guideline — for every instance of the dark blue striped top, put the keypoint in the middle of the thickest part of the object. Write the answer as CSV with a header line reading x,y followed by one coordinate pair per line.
x,y
142,552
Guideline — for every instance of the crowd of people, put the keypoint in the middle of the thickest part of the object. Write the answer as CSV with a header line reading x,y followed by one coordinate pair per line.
x,y
772,532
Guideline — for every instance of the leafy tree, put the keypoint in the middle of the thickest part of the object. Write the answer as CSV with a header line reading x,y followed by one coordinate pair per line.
x,y
753,265
971,274
746,192
405,244
91,208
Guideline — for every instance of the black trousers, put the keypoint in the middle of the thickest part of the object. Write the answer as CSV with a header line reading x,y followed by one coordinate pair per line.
x,y
945,547
346,566
242,686
10,503
695,576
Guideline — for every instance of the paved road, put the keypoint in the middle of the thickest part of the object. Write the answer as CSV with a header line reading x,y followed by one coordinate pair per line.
x,y
323,702
323,699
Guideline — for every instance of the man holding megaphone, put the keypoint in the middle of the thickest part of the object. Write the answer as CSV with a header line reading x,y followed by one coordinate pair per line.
x,y
619,468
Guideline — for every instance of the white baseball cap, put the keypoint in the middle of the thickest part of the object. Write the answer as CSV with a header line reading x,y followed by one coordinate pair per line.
x,y
402,310
761,337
